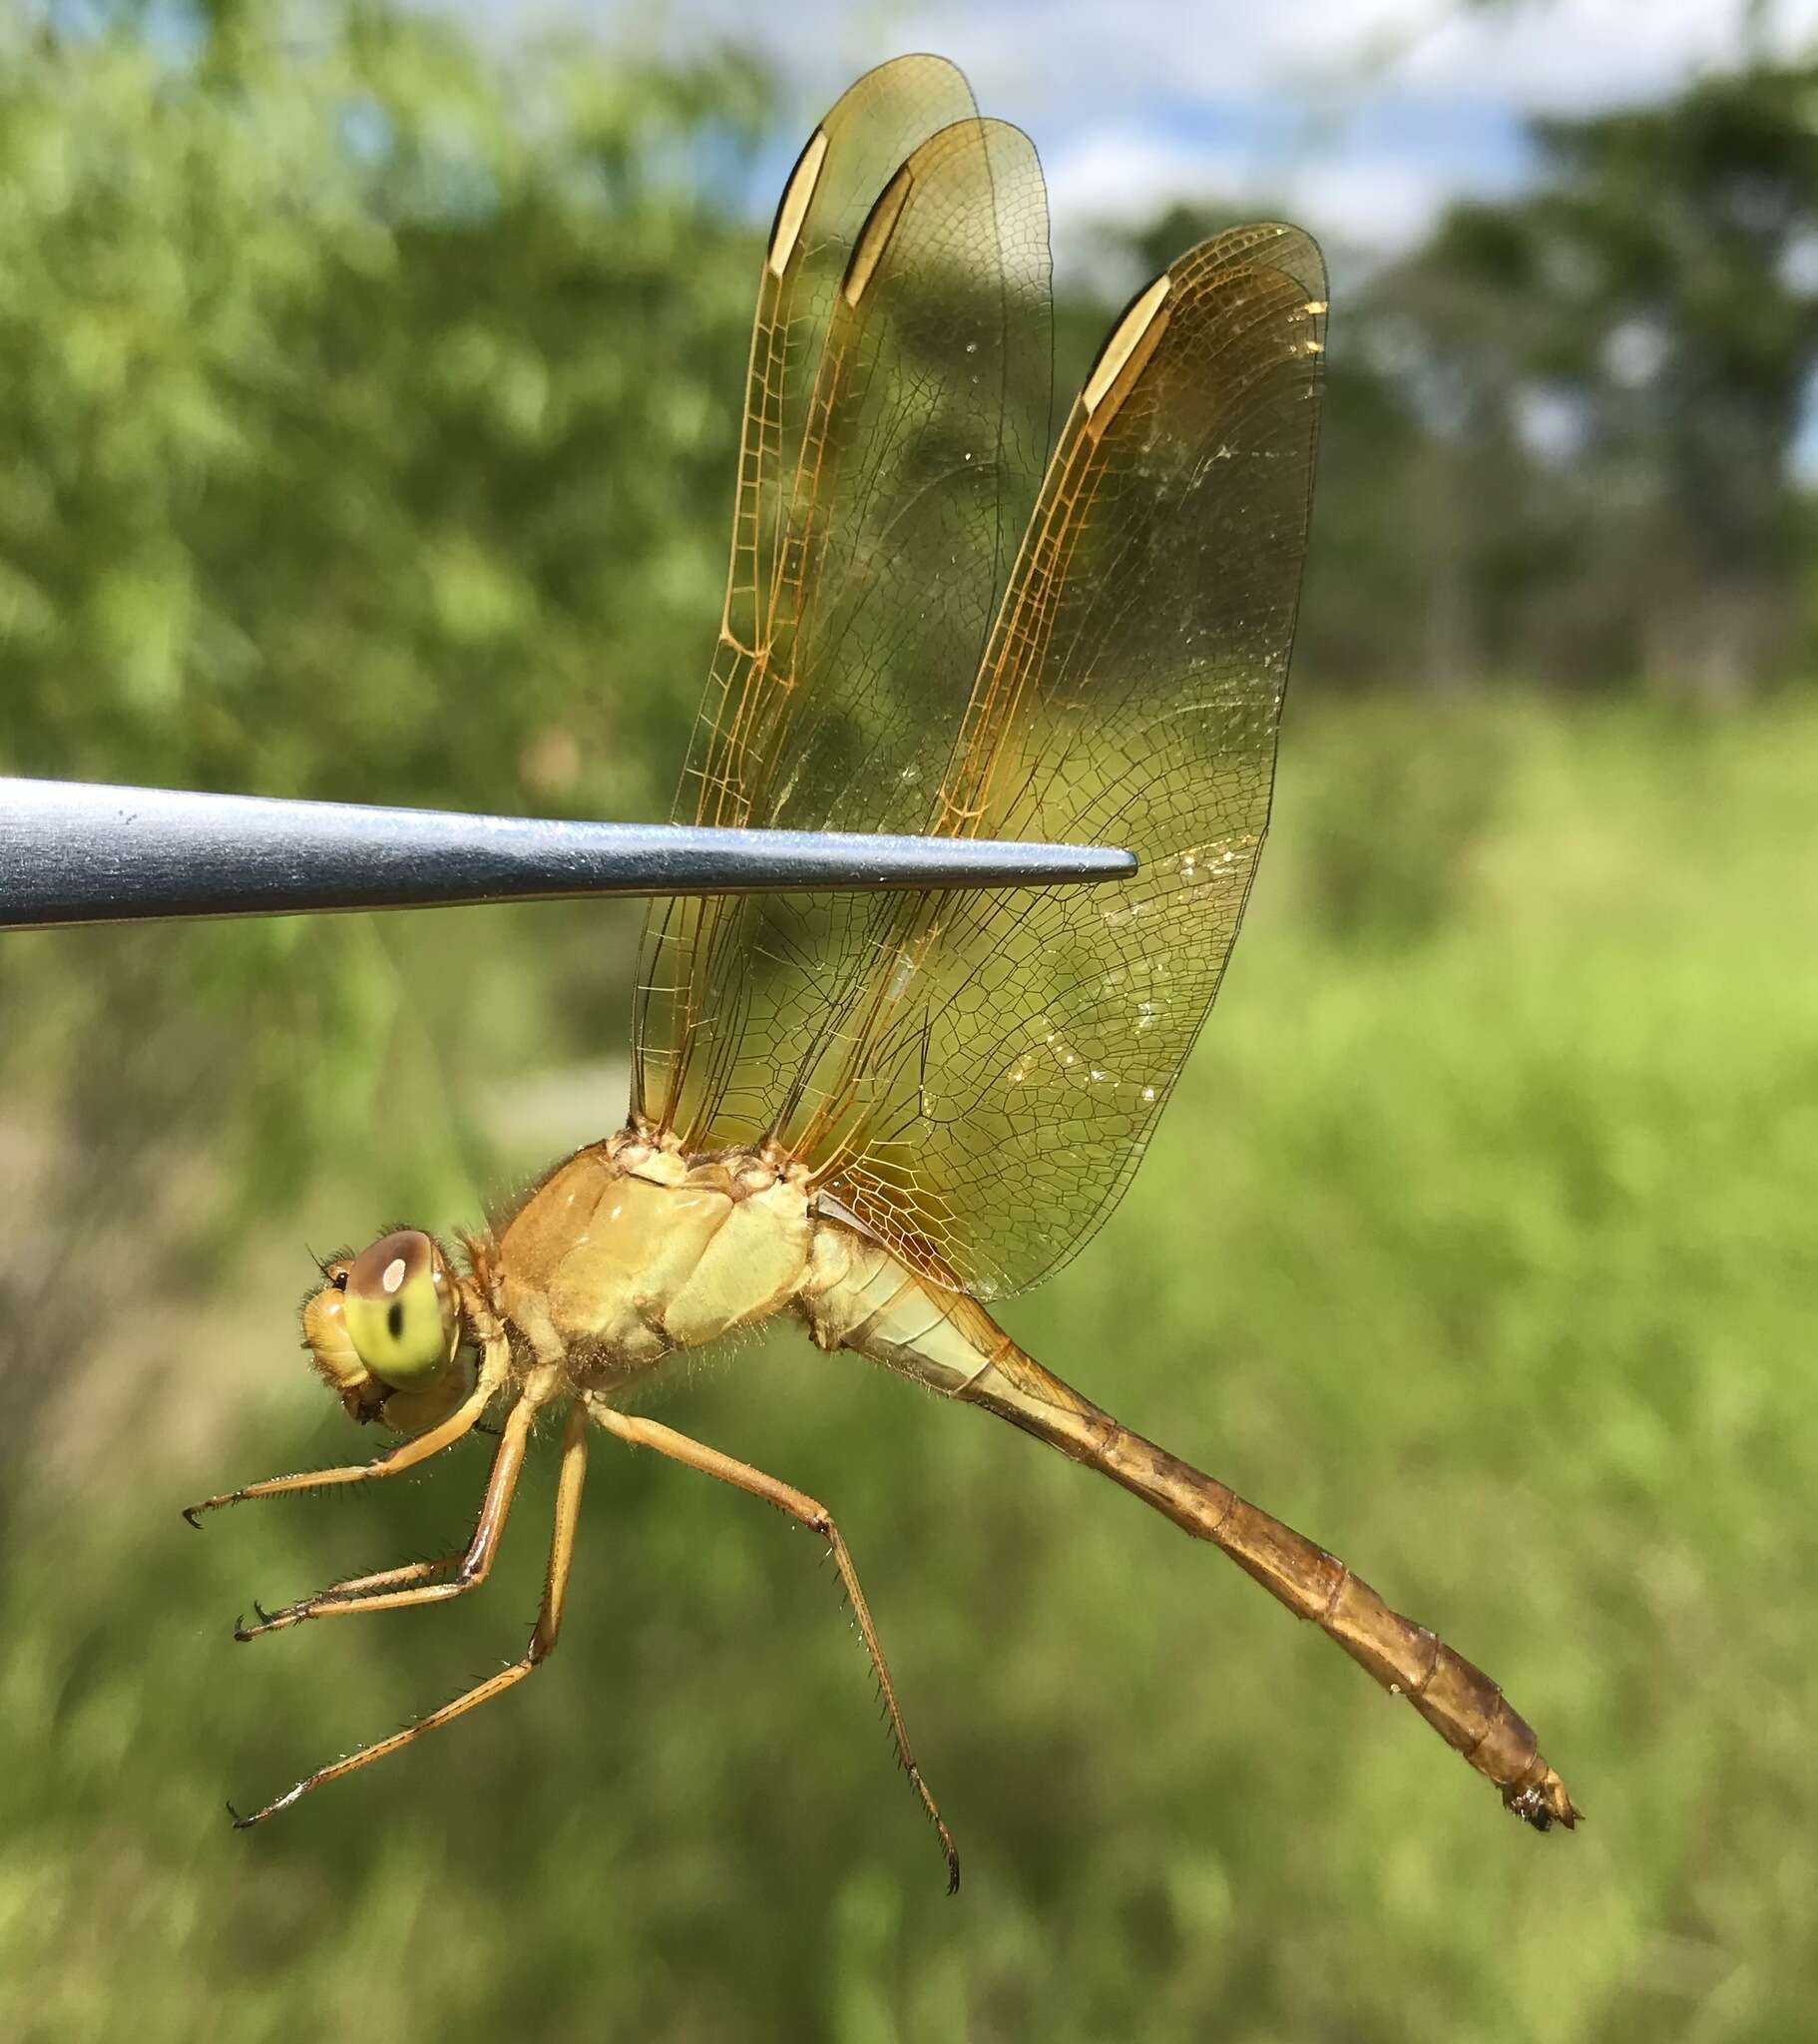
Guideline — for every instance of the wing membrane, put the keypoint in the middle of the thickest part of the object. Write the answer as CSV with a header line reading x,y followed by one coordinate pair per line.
x,y
971,1075
881,501
846,162
1016,1048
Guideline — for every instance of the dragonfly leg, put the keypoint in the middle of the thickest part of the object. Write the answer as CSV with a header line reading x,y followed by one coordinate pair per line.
x,y
384,1590
406,1572
495,1365
649,1433
542,1639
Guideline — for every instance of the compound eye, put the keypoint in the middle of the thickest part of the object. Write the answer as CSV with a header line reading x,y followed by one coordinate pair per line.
x,y
401,1309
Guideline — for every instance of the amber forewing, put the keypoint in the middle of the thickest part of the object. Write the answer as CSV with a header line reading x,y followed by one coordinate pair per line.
x,y
764,687
835,703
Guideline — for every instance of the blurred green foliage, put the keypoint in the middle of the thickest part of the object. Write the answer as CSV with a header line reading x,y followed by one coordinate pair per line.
x,y
372,426
1483,1257
368,410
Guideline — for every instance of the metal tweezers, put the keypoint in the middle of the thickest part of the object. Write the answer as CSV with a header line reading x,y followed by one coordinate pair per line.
x,y
77,852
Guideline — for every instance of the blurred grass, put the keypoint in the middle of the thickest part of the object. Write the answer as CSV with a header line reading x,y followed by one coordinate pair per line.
x,y
1478,1245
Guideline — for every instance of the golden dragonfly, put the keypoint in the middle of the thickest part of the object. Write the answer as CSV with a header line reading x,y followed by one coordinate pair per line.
x,y
875,1112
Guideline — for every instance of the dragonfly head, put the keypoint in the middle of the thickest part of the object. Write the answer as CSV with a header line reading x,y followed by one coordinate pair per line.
x,y
385,1332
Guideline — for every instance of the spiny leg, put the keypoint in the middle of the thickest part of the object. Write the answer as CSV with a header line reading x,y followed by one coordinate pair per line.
x,y
542,1639
649,1433
377,1592
352,1586
394,1461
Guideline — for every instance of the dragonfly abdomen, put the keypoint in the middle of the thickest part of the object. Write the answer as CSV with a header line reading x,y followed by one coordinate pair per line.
x,y
860,1296
869,1302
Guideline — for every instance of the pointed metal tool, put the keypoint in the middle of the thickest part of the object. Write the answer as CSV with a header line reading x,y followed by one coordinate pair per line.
x,y
77,852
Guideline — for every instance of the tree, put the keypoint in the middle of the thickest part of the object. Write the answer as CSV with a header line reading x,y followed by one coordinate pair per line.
x,y
1683,239
1613,373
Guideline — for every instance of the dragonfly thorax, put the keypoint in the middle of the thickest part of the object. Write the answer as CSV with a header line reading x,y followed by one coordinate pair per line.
x,y
630,1249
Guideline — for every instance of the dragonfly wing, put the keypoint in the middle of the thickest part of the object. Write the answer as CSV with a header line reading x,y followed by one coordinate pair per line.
x,y
882,497
1017,1047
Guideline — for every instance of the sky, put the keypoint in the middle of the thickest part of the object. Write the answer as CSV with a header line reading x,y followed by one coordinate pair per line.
x,y
1360,117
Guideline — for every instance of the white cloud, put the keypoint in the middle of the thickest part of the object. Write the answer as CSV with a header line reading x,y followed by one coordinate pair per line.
x,y
1373,200
1587,53
1363,116
1065,56
1119,176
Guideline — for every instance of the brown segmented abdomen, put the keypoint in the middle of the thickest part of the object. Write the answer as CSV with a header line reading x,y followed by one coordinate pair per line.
x,y
860,1296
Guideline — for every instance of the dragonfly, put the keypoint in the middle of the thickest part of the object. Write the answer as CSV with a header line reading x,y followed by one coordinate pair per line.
x,y
875,1114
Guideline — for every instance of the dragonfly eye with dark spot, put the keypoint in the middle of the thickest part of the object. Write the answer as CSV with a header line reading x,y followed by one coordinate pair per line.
x,y
402,1311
